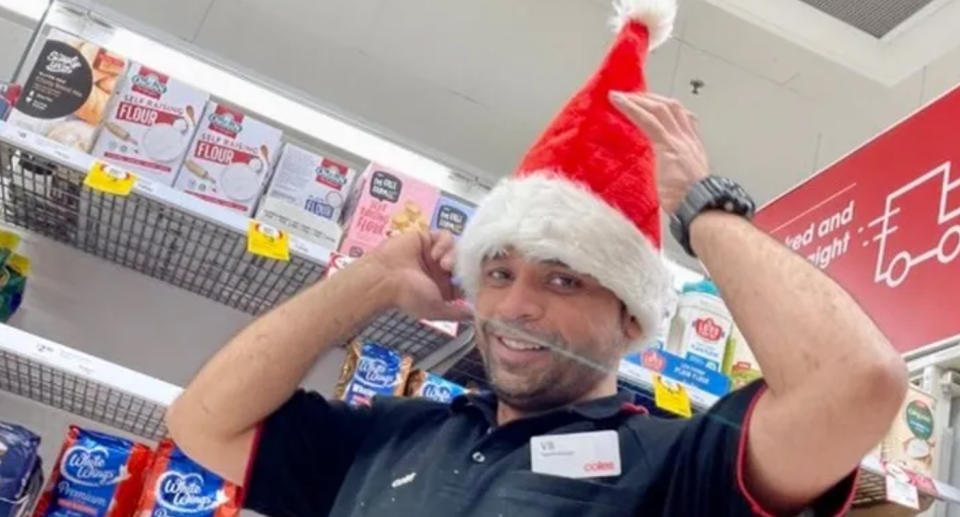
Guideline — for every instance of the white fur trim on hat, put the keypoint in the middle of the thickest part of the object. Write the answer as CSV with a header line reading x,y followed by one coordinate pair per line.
x,y
657,15
547,217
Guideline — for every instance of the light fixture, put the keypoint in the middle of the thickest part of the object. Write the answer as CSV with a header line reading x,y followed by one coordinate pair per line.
x,y
30,9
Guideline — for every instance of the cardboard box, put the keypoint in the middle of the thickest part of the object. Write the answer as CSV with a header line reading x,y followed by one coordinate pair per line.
x,y
388,203
452,214
230,158
912,440
67,92
739,362
299,222
315,184
150,124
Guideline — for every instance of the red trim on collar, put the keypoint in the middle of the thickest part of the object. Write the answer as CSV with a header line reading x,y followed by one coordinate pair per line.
x,y
741,461
634,409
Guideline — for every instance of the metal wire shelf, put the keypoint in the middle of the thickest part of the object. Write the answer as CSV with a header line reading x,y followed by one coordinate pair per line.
x,y
169,235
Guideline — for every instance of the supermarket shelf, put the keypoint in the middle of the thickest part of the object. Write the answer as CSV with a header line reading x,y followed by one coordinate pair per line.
x,y
171,236
87,386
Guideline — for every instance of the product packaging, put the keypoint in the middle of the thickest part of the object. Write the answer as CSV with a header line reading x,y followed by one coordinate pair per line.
x,y
8,244
230,158
175,486
739,363
433,387
96,475
387,203
451,214
911,442
13,283
150,123
21,471
9,93
701,326
66,94
371,370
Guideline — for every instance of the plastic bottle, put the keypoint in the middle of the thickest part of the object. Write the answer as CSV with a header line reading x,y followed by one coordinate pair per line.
x,y
701,326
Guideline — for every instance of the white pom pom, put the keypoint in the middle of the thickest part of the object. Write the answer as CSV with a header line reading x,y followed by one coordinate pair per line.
x,y
657,15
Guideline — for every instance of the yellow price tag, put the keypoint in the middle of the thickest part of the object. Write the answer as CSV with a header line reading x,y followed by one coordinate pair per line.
x,y
267,241
112,180
671,396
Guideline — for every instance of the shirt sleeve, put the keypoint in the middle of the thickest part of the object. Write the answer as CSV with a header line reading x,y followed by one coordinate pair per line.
x,y
707,477
302,454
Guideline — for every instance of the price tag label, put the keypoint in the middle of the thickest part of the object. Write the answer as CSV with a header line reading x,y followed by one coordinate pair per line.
x,y
671,396
104,177
267,241
902,493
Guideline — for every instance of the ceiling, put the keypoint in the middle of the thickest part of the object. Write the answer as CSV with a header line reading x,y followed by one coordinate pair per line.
x,y
472,83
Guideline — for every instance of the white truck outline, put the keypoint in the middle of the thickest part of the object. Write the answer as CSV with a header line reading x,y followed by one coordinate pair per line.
x,y
948,246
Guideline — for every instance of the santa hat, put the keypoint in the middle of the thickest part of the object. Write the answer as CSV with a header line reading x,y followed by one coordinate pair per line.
x,y
585,194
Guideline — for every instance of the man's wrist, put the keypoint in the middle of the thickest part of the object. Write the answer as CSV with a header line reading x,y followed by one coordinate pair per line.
x,y
369,280
709,225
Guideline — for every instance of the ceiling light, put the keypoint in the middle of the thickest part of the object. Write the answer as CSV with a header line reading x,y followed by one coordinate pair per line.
x,y
31,9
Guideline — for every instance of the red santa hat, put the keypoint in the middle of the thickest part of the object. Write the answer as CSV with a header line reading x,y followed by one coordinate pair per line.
x,y
585,194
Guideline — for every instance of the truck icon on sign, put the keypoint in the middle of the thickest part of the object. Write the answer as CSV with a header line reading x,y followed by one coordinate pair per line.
x,y
945,237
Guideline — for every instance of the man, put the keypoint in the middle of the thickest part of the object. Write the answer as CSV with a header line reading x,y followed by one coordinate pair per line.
x,y
562,265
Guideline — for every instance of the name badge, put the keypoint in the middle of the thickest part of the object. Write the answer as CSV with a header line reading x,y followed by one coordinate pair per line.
x,y
578,455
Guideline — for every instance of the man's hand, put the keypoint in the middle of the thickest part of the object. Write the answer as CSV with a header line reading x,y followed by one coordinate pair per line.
x,y
418,268
672,130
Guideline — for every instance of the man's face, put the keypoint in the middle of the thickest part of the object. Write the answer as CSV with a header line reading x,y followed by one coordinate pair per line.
x,y
526,310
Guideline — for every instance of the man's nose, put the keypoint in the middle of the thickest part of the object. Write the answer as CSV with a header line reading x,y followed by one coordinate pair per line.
x,y
521,302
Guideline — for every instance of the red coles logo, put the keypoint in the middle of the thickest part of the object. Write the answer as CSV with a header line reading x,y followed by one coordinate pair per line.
x,y
599,466
708,329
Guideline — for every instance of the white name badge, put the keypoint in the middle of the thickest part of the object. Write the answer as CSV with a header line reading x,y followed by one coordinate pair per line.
x,y
577,455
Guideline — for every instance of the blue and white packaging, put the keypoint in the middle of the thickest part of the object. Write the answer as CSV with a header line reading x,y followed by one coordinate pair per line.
x,y
451,214
372,370
21,474
433,387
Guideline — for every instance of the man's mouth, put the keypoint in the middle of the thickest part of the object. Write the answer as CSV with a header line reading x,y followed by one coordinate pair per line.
x,y
519,345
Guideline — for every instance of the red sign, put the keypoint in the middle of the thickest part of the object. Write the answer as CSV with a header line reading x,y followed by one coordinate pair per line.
x,y
884,222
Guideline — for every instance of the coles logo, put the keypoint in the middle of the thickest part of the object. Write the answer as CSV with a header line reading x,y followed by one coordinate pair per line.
x,y
226,121
150,83
375,372
437,392
599,466
331,174
185,493
90,467
708,329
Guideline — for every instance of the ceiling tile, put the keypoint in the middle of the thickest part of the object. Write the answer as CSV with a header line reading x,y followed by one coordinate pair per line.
x,y
181,18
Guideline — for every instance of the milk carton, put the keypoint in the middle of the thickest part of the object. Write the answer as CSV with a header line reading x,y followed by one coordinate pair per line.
x,y
912,441
229,159
452,214
150,124
388,203
67,90
701,326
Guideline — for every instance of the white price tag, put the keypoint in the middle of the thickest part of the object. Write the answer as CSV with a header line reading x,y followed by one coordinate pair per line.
x,y
902,492
576,455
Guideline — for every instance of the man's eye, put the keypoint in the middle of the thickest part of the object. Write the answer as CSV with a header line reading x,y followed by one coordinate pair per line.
x,y
498,275
565,282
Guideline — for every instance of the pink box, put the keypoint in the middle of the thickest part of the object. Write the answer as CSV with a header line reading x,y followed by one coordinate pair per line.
x,y
388,203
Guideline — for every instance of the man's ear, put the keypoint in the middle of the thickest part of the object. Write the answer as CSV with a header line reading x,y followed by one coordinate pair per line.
x,y
632,329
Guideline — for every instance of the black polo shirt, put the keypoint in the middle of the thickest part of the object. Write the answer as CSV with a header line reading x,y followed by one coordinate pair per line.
x,y
420,458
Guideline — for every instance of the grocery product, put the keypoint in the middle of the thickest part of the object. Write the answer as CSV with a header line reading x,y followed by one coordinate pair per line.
x,y
21,471
150,123
9,93
68,89
313,183
387,203
701,326
433,387
96,475
739,363
175,486
230,158
911,441
8,244
371,370
13,283
451,214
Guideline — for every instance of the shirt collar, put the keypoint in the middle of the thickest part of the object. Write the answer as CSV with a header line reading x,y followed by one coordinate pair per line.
x,y
597,409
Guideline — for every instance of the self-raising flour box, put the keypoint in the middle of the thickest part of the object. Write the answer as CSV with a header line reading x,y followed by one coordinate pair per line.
x,y
150,124
388,203
311,182
229,159
912,440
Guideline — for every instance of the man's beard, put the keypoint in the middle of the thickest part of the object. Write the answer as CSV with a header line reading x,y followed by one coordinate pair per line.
x,y
567,376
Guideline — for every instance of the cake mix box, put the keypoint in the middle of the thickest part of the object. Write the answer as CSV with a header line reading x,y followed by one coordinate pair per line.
x,y
66,93
177,487
96,475
912,441
388,203
150,124
230,158
452,214
370,370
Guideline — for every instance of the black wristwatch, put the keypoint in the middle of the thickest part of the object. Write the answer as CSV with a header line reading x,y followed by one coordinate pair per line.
x,y
711,193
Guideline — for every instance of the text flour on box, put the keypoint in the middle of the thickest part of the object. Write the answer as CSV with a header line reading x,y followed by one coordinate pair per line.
x,y
388,203
150,124
230,158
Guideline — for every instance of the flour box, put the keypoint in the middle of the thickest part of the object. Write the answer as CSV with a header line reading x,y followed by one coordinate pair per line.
x,y
452,214
230,158
701,326
68,89
150,124
739,363
912,440
388,203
